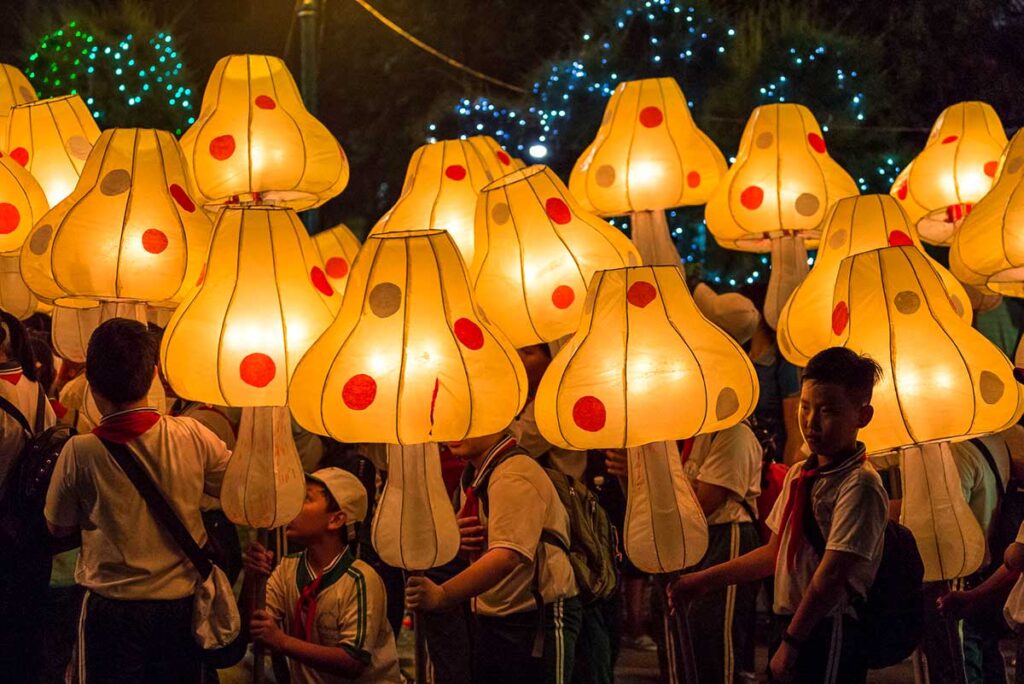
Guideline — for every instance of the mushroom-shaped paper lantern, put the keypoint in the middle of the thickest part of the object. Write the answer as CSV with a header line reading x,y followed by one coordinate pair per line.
x,y
15,297
52,139
775,197
536,250
956,168
495,158
129,231
942,381
15,89
853,225
648,156
338,248
409,360
72,327
22,203
254,140
646,366
440,193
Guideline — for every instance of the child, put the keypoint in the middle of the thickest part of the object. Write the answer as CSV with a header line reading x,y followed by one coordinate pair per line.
x,y
332,607
835,496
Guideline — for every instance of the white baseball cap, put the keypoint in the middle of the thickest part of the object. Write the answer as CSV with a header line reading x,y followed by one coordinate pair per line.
x,y
347,490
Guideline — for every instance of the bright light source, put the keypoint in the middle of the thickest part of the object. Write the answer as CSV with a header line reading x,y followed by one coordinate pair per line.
x,y
538,151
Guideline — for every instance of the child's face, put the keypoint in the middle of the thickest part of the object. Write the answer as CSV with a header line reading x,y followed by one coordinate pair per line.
x,y
471,447
830,418
314,520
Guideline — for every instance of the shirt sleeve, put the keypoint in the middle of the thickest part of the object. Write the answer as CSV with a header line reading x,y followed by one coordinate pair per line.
x,y
276,603
61,498
515,510
967,467
774,520
733,457
360,615
859,517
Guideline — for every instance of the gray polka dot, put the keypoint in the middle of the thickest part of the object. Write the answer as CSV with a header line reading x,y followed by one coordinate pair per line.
x,y
991,387
40,239
957,305
1013,166
605,176
79,147
764,140
500,213
727,403
807,204
385,299
115,182
907,302
27,94
837,239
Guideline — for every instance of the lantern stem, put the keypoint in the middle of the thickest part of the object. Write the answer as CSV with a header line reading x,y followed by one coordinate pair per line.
x,y
665,527
652,239
789,268
259,597
948,535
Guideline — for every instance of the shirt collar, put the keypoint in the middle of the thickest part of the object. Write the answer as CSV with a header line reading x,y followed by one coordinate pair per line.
x,y
305,576
506,442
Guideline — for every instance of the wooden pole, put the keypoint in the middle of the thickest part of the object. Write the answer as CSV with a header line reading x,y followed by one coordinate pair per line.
x,y
260,599
421,640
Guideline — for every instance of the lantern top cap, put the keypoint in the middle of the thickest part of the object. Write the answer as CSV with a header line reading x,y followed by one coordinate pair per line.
x,y
47,101
404,234
514,177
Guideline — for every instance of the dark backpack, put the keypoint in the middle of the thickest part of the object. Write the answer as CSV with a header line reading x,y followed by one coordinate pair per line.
x,y
1009,510
592,537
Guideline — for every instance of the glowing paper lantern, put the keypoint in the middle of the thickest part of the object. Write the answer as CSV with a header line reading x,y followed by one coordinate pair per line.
x,y
52,139
338,248
129,231
409,359
956,168
536,250
254,140
22,203
71,328
942,381
440,192
853,225
15,297
15,89
497,161
775,197
646,366
648,156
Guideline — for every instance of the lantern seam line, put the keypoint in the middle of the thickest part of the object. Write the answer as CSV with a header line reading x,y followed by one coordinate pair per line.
x,y
298,131
188,257
125,212
703,378
240,232
522,265
291,219
600,278
681,196
405,340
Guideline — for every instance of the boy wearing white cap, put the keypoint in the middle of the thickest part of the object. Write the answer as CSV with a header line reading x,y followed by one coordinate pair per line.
x,y
326,610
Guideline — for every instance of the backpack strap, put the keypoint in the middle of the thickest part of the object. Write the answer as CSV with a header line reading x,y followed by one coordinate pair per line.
x,y
159,507
14,412
40,409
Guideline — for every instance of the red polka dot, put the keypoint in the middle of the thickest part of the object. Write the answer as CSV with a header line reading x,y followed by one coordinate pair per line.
x,y
558,210
752,197
20,155
693,179
10,217
641,293
257,370
901,192
182,198
503,157
154,241
469,333
202,276
589,414
337,267
651,117
359,392
222,147
816,142
990,168
265,102
840,317
950,138
320,281
898,238
455,172
563,297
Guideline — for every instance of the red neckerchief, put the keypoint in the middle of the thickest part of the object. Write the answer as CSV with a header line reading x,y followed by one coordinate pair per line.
x,y
59,409
800,498
687,449
471,502
11,375
124,426
305,608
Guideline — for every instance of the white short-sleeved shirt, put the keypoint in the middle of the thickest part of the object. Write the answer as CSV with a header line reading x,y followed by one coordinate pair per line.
x,y
524,429
24,394
351,613
125,552
729,458
851,509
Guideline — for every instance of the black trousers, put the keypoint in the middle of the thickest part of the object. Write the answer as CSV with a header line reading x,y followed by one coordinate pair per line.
x,y
503,646
832,654
24,579
137,641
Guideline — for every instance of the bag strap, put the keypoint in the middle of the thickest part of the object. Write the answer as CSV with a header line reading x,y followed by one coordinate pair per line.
x,y
158,506
40,408
14,412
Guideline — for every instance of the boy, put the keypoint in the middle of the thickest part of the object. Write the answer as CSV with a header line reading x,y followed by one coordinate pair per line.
x,y
332,607
136,622
523,567
835,496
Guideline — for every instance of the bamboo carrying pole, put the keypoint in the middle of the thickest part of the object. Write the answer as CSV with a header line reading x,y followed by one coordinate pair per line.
x,y
260,601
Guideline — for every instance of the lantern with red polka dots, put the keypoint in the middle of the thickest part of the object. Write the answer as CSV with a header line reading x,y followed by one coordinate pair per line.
x,y
338,248
255,142
956,168
15,297
988,249
536,250
72,326
497,161
15,89
128,231
440,192
410,358
22,203
853,225
52,139
263,299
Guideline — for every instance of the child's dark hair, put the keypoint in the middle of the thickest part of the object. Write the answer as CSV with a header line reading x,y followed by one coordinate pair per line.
x,y
14,338
43,352
120,361
855,373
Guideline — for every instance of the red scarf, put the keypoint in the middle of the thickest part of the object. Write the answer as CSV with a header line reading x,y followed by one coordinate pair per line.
x,y
124,426
471,502
687,449
11,375
305,609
